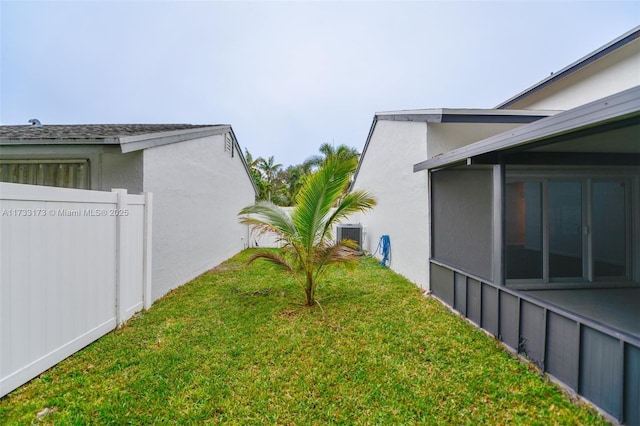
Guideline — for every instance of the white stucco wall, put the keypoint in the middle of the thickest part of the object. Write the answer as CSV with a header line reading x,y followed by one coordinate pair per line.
x,y
611,74
444,137
198,190
387,172
120,170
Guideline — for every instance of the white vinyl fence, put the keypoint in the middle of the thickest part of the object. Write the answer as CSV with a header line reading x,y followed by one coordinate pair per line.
x,y
74,264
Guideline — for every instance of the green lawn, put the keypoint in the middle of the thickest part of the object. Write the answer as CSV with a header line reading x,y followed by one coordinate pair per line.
x,y
233,347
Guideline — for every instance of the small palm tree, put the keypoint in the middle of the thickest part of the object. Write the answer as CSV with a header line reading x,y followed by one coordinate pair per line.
x,y
308,245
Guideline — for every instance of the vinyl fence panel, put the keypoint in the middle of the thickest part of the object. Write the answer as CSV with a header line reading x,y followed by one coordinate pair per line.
x,y
68,260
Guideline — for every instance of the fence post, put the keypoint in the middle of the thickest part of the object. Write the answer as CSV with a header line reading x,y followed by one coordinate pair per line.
x,y
148,233
120,255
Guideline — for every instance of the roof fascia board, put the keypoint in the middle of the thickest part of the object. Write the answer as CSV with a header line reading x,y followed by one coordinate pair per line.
x,y
61,141
563,159
612,46
364,150
493,111
244,161
149,140
486,119
138,142
53,151
467,116
436,116
614,107
426,118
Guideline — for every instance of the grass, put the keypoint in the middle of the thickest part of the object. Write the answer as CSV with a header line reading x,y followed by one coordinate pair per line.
x,y
233,347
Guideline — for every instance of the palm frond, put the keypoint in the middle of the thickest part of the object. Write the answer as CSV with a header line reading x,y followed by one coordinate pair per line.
x,y
344,252
319,194
273,258
357,201
270,218
350,244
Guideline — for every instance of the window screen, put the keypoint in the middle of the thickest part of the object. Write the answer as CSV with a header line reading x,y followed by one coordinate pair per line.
x,y
60,173
462,215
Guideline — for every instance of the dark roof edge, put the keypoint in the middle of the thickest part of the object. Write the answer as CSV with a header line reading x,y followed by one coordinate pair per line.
x,y
138,142
48,141
615,107
403,116
455,116
476,116
244,160
612,46
497,119
364,150
149,140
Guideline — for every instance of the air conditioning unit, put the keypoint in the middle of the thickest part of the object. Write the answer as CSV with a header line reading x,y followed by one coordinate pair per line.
x,y
350,232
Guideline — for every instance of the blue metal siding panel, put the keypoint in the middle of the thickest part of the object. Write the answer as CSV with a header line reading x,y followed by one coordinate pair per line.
x,y
563,346
490,309
509,332
632,385
600,370
584,355
532,332
474,299
442,283
461,294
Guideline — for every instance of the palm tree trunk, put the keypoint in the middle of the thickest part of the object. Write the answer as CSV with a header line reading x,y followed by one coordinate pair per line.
x,y
309,293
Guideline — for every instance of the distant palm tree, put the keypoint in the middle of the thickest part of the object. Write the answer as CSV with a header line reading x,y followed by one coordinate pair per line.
x,y
269,170
293,178
308,245
251,162
327,150
254,170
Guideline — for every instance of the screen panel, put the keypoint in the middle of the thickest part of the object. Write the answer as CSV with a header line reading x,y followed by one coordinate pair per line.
x,y
462,219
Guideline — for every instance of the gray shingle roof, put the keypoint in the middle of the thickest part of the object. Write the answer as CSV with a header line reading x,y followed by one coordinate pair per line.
x,y
90,131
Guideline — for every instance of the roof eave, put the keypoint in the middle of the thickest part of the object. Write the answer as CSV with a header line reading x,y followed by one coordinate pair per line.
x,y
610,47
61,141
364,150
612,108
448,115
476,116
244,161
139,142
150,140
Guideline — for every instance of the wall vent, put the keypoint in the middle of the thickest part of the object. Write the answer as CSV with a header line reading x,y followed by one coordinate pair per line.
x,y
228,143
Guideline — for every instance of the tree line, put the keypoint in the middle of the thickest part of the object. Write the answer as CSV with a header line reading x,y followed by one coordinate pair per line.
x,y
281,185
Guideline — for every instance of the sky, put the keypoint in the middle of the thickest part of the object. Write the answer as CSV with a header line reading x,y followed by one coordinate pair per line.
x,y
287,76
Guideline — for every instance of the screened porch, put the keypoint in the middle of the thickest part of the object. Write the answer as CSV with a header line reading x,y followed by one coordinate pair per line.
x,y
535,237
